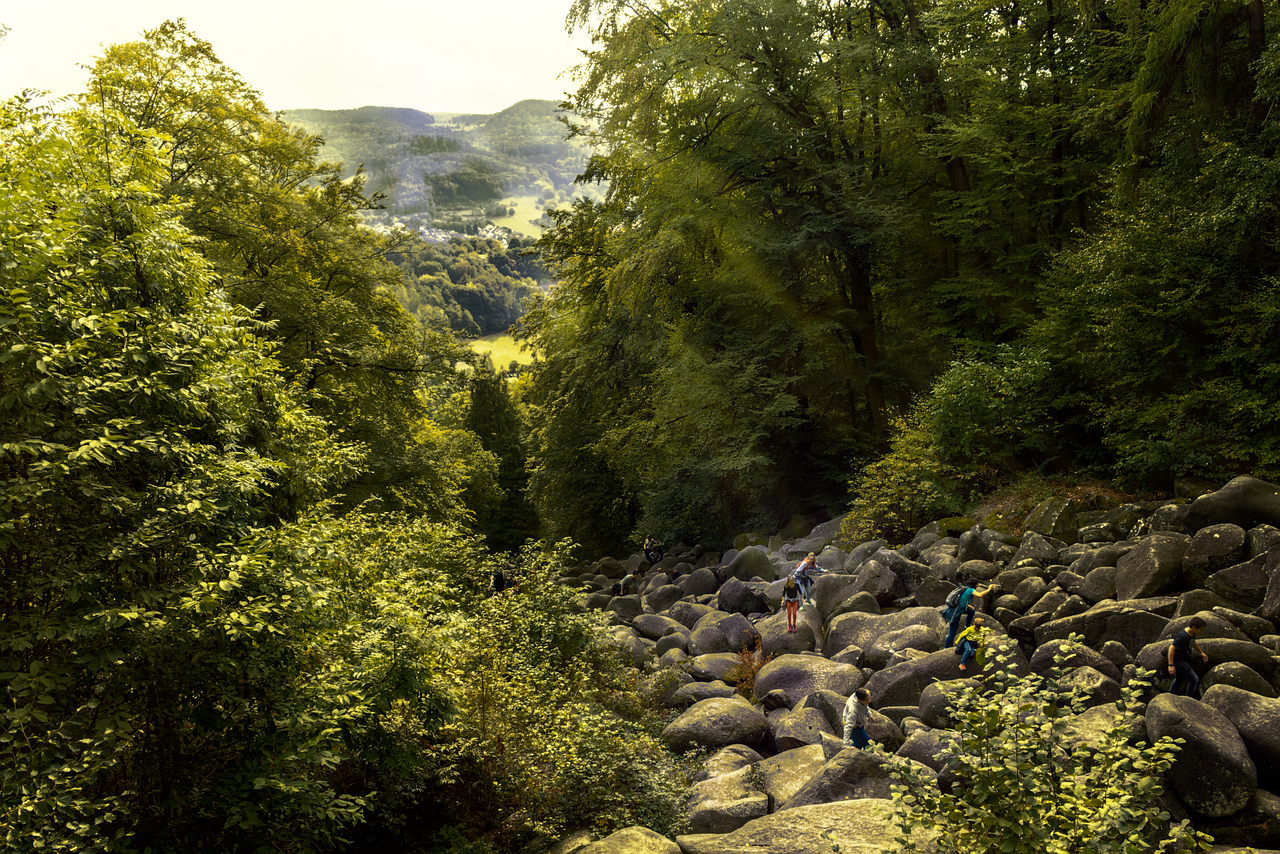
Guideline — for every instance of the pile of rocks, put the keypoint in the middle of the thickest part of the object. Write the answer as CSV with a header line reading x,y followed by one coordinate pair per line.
x,y
1127,580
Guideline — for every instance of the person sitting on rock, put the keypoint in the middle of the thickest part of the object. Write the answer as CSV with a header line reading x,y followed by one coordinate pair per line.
x,y
791,599
1185,679
963,610
971,643
857,712
803,574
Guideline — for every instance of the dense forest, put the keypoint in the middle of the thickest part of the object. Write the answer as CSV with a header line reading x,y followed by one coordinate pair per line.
x,y
990,239
888,255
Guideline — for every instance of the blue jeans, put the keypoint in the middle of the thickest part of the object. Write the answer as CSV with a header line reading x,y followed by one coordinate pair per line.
x,y
954,628
968,649
857,737
1185,680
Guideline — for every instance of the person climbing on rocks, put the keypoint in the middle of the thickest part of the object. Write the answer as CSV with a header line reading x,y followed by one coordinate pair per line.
x,y
1185,679
791,601
804,573
857,713
962,610
971,644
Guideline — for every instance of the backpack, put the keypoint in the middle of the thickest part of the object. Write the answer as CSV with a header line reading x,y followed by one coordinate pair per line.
x,y
953,598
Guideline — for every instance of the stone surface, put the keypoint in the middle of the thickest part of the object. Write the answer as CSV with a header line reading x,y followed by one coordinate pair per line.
x,y
1257,719
1151,566
717,722
1212,773
800,675
851,774
1243,501
632,840
860,826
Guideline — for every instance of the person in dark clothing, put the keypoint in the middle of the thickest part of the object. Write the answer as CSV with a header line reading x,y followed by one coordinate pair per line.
x,y
963,611
652,551
1185,679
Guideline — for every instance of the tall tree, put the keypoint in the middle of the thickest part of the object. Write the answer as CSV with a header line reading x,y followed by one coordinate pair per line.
x,y
283,233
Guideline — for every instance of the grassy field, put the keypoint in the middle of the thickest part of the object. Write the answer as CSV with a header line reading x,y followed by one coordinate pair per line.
x,y
502,349
525,211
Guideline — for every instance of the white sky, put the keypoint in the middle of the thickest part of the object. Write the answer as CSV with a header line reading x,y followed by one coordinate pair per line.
x,y
458,56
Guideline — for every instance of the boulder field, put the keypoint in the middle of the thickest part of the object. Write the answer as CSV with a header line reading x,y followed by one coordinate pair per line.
x,y
1127,579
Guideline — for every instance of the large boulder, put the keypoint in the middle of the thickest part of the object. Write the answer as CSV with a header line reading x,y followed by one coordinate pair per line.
x,y
1211,549
785,773
1107,621
632,840
902,684
916,636
688,613
880,581
655,626
751,562
1244,584
695,692
1150,566
776,640
800,675
1212,773
737,597
861,826
1243,501
862,629
722,666
715,723
800,728
1257,719
850,774
659,599
1256,828
1043,660
1054,517
699,582
1270,607
725,802
831,590
721,632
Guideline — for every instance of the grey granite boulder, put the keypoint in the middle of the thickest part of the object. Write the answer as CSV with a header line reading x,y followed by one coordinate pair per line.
x,y
1211,549
1257,719
738,597
688,613
849,775
654,626
725,802
784,773
1237,675
721,632
723,666
863,629
751,562
1243,501
801,675
1151,566
800,728
717,722
632,840
696,692
661,598
1043,659
1054,517
1212,773
925,638
861,826
776,640
1244,584
1134,628
902,684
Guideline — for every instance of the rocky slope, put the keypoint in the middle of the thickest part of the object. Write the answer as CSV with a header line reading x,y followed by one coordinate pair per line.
x,y
1127,580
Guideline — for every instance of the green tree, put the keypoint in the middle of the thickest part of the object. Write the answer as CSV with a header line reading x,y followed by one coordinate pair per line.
x,y
1024,783
493,416
153,632
282,231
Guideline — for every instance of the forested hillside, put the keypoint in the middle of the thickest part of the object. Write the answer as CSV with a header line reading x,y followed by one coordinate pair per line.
x,y
440,166
996,239
882,258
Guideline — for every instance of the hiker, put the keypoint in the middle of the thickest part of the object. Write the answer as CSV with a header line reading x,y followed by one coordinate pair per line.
x,y
961,609
857,711
791,600
803,575
631,583
1185,679
652,550
971,643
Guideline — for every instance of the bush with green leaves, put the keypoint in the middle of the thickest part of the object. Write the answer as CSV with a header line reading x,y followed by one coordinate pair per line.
x,y
905,488
547,735
1025,783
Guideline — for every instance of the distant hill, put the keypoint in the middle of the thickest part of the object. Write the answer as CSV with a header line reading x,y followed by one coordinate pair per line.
x,y
446,167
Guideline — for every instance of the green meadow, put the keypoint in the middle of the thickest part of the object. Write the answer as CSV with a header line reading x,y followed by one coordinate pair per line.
x,y
502,349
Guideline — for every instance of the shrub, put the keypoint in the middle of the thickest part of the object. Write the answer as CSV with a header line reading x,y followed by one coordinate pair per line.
x,y
1023,787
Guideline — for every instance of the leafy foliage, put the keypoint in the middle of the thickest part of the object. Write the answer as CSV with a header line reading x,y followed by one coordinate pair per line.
x,y
1023,784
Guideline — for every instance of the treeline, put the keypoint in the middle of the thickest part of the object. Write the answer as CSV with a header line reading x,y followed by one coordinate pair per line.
x,y
916,248
244,501
477,286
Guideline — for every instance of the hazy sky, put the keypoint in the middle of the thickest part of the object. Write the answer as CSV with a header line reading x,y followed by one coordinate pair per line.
x,y
462,56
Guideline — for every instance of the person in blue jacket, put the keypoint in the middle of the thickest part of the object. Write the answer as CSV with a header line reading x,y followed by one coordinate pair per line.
x,y
963,611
